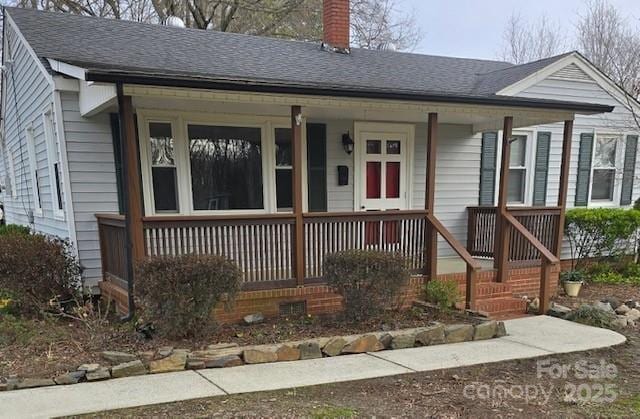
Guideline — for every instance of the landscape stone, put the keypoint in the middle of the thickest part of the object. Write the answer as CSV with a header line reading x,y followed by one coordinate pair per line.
x,y
224,361
12,383
632,304
218,346
403,341
193,364
623,309
35,382
256,356
288,353
604,306
559,311
147,355
309,350
458,333
620,321
367,343
613,302
335,345
486,330
72,377
233,350
385,340
128,369
164,351
116,357
88,367
633,314
433,335
99,374
4,386
174,362
254,318
501,330
534,305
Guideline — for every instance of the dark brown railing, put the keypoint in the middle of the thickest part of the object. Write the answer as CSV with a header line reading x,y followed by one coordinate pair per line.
x,y
541,222
111,233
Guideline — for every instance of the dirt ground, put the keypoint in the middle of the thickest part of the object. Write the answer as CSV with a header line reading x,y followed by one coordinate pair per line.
x,y
507,389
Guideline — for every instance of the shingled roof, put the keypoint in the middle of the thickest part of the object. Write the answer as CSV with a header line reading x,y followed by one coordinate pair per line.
x,y
107,47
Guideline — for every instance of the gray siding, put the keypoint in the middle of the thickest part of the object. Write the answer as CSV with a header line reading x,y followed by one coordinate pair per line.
x,y
93,180
28,94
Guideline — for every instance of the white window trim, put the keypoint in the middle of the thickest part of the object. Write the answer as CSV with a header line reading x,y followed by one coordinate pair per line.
x,y
33,167
11,172
179,124
619,169
359,155
53,156
530,161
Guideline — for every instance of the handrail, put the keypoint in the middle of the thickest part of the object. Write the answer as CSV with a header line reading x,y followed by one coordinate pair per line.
x,y
516,208
109,216
221,217
455,245
388,213
546,253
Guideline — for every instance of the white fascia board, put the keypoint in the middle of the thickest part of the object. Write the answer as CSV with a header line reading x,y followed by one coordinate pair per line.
x,y
67,69
96,97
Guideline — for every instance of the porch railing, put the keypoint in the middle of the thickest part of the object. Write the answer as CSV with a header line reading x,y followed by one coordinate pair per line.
x,y
542,222
111,233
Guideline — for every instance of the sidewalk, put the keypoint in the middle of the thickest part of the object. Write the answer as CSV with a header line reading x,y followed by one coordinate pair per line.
x,y
528,337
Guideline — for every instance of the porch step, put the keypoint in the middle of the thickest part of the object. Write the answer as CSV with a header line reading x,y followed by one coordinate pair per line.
x,y
501,306
487,290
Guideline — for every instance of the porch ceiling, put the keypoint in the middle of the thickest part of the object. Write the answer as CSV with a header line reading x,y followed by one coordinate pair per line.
x,y
479,117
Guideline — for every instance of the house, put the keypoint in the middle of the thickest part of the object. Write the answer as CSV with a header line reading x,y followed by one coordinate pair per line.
x,y
136,140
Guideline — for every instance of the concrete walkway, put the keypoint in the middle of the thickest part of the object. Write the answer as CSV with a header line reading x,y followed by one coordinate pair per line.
x,y
528,337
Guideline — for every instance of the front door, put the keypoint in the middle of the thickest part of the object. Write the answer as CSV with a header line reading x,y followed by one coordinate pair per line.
x,y
384,171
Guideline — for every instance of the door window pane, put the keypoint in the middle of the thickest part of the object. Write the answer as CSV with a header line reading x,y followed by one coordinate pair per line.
x,y
393,147
163,168
517,157
515,189
283,146
226,167
373,179
603,181
374,146
284,171
284,189
393,179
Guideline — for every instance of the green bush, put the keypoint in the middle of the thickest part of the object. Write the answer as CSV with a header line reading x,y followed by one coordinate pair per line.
x,y
592,316
178,294
443,293
36,270
368,280
601,233
572,276
14,229
614,272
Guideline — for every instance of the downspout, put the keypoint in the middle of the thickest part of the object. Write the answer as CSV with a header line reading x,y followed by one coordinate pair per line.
x,y
126,198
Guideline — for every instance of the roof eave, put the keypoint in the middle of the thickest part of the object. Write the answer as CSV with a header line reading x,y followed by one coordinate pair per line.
x,y
266,87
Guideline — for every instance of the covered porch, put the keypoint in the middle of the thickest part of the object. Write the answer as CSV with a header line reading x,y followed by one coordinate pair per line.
x,y
381,195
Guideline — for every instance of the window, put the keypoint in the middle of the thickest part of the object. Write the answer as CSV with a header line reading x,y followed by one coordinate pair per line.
x,y
226,167
163,167
33,171
284,169
54,164
605,160
516,190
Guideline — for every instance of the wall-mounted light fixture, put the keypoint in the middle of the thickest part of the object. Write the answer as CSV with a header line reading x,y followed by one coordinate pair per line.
x,y
347,143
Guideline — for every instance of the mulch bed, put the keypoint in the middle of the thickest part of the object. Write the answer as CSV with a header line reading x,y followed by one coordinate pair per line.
x,y
594,292
48,347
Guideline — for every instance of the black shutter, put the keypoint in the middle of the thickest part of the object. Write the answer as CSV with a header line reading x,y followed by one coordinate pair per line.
x,y
117,146
317,167
541,170
584,170
629,169
488,168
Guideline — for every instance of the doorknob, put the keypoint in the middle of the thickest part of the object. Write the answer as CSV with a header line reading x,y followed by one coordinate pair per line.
x,y
362,207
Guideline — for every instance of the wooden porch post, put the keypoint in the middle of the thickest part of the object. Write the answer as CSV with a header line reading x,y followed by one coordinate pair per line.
x,y
501,245
298,234
132,196
431,236
564,182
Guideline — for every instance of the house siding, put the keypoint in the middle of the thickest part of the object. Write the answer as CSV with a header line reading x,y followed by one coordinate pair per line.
x,y
93,179
28,94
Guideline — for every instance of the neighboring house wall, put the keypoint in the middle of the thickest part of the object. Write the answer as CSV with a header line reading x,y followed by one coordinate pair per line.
x,y
93,179
28,94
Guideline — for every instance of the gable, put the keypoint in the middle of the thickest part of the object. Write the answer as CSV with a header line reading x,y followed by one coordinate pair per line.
x,y
571,72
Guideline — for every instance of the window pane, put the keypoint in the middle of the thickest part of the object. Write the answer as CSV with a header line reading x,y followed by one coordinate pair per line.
x,y
374,146
515,189
605,153
393,147
393,179
162,153
165,192
284,188
373,179
602,187
226,167
283,146
517,157
56,168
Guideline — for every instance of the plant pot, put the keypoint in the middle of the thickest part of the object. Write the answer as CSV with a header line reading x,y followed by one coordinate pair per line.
x,y
572,288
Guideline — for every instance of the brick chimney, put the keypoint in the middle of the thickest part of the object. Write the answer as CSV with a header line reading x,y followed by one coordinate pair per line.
x,y
335,25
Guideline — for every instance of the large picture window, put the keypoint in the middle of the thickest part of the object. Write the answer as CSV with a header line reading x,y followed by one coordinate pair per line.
x,y
163,167
226,167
